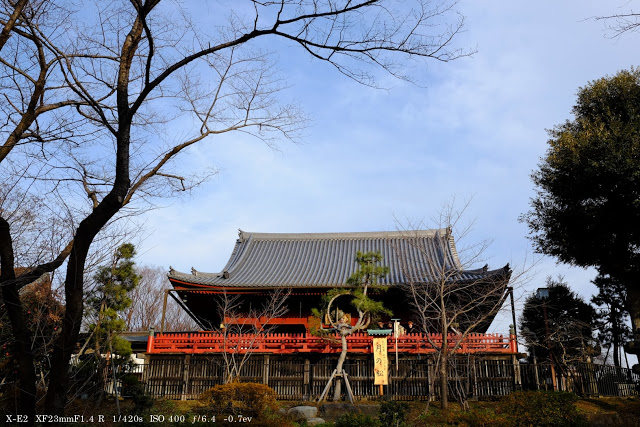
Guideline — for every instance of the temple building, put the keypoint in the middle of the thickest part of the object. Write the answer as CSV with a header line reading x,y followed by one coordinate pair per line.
x,y
310,264
287,353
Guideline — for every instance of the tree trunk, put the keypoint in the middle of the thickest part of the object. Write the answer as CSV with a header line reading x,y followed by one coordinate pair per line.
x,y
338,389
10,23
444,359
444,380
21,333
87,230
23,354
616,337
65,345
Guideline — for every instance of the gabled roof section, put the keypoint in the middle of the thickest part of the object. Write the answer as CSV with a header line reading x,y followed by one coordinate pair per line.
x,y
266,260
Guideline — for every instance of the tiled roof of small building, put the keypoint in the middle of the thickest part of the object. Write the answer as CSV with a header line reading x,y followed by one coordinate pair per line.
x,y
265,260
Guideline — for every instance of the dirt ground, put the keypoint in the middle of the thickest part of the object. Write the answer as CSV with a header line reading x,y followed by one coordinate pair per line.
x,y
605,411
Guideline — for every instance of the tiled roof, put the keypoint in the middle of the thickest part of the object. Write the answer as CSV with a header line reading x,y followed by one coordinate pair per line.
x,y
262,260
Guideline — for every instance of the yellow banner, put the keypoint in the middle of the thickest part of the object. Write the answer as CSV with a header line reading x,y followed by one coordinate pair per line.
x,y
380,361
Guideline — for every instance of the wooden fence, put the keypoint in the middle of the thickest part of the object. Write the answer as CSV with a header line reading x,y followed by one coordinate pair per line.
x,y
585,379
298,378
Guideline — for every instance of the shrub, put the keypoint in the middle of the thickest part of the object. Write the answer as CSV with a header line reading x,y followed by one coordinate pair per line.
x,y
249,399
474,417
272,419
478,417
132,388
542,408
393,413
356,419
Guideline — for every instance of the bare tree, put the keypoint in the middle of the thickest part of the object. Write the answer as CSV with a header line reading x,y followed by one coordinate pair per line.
x,y
39,233
620,23
147,302
26,214
93,99
242,330
31,91
446,296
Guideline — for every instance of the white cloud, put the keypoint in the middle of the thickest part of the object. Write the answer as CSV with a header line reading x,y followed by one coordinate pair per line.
x,y
478,128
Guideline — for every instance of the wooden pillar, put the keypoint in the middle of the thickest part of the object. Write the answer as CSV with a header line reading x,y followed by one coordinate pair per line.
x,y
517,378
144,375
391,382
164,309
185,376
265,370
306,380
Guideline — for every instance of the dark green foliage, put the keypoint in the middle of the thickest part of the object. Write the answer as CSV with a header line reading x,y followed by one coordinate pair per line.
x,y
542,408
474,417
393,413
570,325
110,298
132,389
587,207
365,277
360,283
613,331
115,281
356,419
368,271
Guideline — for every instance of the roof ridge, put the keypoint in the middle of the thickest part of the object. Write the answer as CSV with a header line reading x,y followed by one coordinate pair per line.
x,y
338,235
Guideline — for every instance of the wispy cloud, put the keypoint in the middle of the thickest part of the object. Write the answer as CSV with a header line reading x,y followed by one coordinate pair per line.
x,y
478,128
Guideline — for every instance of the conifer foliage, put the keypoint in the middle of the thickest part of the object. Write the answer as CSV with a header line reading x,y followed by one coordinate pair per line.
x,y
570,325
358,285
110,298
611,319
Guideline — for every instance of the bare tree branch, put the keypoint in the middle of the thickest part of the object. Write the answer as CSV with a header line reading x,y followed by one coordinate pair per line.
x,y
94,99
448,297
620,24
10,23
246,327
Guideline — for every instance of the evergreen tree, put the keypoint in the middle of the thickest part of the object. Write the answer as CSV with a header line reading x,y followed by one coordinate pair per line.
x,y
586,210
360,282
570,322
611,323
110,299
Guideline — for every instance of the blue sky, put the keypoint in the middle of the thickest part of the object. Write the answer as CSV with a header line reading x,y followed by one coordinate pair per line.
x,y
474,127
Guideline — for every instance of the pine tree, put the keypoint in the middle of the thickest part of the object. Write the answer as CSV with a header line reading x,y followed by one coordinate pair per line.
x,y
570,325
110,299
360,282
611,323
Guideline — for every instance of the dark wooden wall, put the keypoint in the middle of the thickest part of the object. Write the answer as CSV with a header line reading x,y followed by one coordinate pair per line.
x,y
304,378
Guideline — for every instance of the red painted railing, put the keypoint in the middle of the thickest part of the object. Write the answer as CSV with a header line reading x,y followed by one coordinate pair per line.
x,y
215,342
